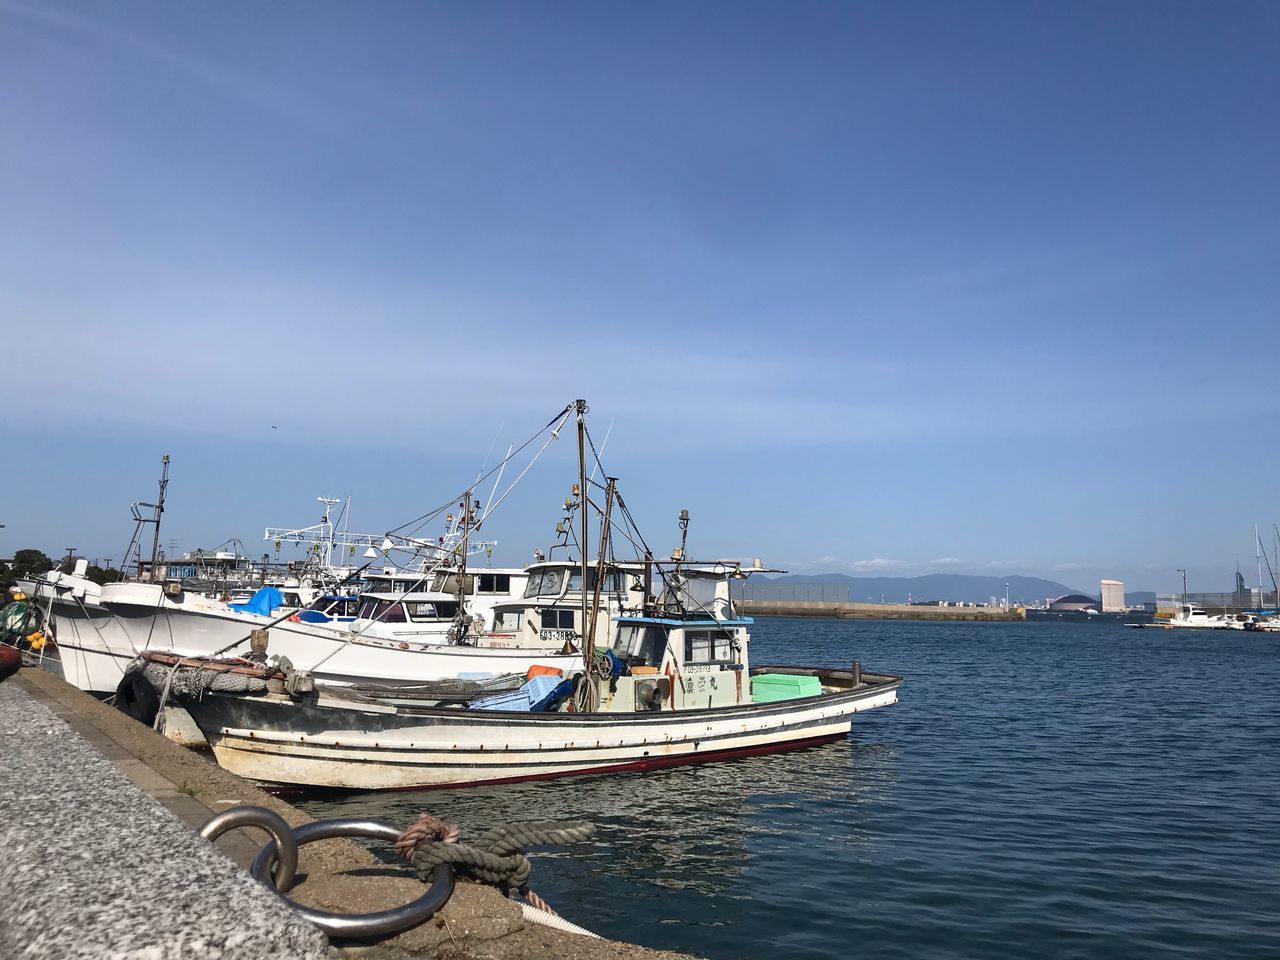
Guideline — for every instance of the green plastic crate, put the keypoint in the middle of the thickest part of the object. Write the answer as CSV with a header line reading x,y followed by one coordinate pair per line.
x,y
768,687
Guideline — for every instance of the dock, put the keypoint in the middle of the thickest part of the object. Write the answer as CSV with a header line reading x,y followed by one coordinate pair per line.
x,y
99,829
874,611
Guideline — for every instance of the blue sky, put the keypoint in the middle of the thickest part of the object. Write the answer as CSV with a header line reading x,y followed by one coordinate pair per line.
x,y
890,288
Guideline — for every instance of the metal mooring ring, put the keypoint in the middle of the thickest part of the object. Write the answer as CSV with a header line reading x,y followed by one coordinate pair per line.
x,y
356,926
268,820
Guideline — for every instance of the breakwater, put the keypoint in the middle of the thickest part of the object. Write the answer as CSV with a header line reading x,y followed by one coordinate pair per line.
x,y
874,611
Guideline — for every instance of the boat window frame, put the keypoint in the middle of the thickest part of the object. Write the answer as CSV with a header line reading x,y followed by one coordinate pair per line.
x,y
721,640
499,620
561,615
499,583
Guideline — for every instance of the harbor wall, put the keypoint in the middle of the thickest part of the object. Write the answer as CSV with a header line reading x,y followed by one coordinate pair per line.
x,y
873,611
55,737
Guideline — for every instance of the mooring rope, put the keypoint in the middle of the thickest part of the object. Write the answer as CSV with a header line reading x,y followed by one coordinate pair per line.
x,y
496,857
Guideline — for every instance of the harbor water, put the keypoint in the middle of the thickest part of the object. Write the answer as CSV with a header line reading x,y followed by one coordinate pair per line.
x,y
1041,790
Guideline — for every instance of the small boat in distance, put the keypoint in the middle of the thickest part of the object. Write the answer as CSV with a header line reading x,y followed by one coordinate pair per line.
x,y
1191,617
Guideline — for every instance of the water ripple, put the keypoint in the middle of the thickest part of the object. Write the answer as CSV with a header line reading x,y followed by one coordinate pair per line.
x,y
1060,790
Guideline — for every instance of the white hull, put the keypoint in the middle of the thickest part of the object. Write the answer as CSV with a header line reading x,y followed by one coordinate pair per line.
x,y
199,628
332,743
90,649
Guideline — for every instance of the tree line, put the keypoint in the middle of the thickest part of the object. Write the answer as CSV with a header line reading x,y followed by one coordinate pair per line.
x,y
30,562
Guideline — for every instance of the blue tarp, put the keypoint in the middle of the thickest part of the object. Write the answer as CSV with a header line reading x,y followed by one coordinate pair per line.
x,y
263,602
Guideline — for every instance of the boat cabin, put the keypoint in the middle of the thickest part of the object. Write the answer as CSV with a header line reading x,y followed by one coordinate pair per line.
x,y
405,616
548,614
668,663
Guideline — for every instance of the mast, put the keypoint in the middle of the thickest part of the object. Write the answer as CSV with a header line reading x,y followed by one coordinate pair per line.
x,y
611,483
159,509
1257,541
459,621
582,508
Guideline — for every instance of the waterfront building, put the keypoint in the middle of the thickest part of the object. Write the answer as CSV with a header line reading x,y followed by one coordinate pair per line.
x,y
1073,601
1113,596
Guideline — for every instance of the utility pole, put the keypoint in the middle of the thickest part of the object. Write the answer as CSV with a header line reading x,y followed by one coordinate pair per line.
x,y
1184,585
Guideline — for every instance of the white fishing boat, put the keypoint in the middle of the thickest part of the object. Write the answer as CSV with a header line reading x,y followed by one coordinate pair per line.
x,y
87,646
670,690
409,644
1191,617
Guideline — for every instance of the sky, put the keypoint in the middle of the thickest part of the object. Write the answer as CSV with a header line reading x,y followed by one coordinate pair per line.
x,y
889,288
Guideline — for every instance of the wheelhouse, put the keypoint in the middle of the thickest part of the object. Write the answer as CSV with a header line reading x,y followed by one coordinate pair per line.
x,y
675,663
407,608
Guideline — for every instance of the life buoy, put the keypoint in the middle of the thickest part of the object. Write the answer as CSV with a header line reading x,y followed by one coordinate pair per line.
x,y
136,697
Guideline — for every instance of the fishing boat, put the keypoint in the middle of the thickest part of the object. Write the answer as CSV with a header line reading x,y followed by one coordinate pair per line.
x,y
88,647
671,689
671,684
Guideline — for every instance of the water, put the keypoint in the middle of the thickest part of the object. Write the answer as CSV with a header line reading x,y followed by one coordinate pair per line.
x,y
1042,789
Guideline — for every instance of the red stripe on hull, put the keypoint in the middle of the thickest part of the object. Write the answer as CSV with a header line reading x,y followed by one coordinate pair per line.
x,y
648,763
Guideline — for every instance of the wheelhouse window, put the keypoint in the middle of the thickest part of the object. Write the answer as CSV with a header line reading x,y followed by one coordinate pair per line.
x,y
433,610
544,583
557,619
448,583
383,611
493,583
708,646
612,581
508,621
641,643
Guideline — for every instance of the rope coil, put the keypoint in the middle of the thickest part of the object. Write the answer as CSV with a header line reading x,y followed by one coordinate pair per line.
x,y
496,857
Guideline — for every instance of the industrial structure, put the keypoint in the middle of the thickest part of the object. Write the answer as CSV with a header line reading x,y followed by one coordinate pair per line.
x,y
1113,596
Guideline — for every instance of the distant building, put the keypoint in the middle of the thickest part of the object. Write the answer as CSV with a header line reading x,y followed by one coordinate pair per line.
x,y
1073,601
1113,596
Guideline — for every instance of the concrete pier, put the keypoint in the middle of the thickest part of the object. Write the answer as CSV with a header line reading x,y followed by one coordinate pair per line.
x,y
873,611
97,823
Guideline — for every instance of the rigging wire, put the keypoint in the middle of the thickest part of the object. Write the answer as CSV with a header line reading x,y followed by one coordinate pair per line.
x,y
431,514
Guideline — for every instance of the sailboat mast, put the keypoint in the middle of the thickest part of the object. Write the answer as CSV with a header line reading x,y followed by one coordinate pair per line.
x,y
582,508
159,509
1257,542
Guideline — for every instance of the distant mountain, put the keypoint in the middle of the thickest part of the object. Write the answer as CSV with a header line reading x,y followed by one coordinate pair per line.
x,y
953,587
1140,596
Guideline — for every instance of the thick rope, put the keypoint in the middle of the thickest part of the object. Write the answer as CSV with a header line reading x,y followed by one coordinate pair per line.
x,y
496,857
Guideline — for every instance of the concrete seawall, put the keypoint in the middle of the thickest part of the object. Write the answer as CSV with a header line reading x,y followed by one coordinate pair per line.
x,y
97,820
872,611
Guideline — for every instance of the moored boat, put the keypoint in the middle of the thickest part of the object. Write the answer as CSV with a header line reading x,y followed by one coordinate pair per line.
x,y
671,689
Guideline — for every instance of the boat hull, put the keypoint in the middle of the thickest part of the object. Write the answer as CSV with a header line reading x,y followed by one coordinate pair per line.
x,y
201,628
333,744
90,648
